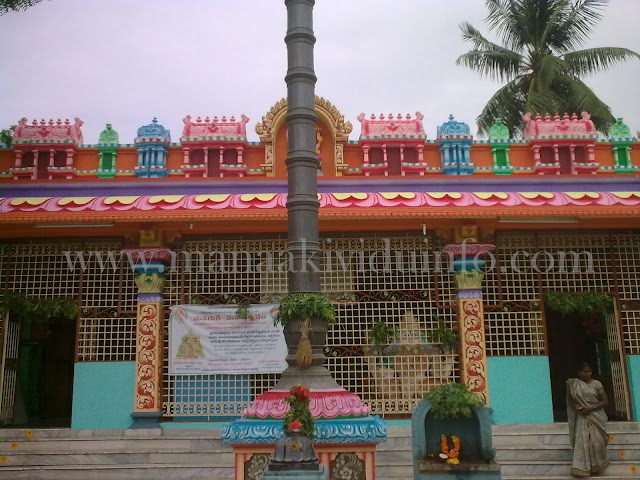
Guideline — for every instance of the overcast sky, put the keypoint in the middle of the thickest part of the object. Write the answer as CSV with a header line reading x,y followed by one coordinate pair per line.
x,y
126,61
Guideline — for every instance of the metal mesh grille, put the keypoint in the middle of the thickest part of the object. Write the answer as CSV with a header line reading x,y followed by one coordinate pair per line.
x,y
631,328
107,338
389,279
42,269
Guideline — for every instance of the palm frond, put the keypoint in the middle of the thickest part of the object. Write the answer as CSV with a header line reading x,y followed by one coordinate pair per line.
x,y
504,17
575,27
578,97
548,70
507,103
500,64
592,60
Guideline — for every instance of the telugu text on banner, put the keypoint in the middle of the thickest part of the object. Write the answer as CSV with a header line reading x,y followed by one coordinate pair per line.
x,y
213,339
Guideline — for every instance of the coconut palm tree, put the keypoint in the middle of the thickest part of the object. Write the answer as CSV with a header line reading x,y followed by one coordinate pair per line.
x,y
540,61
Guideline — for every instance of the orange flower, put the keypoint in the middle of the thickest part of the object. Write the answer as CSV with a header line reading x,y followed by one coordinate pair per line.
x,y
634,469
622,453
612,438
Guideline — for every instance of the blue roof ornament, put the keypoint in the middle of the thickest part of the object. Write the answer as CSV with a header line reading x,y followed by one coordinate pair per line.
x,y
453,127
154,131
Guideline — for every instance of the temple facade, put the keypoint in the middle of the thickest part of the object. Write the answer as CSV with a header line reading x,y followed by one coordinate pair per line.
x,y
426,236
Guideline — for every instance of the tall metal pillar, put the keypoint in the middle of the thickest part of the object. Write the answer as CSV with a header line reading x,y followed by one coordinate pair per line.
x,y
302,160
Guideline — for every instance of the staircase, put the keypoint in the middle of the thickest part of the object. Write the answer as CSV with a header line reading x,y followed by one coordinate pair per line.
x,y
525,452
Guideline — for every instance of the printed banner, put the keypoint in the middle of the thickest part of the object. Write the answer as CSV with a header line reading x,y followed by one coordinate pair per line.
x,y
212,339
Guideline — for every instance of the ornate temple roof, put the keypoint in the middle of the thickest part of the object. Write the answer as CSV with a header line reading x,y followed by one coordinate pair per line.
x,y
390,127
453,128
48,132
215,129
557,127
154,132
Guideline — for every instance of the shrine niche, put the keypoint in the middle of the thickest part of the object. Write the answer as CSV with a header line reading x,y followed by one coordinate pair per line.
x,y
562,145
214,147
46,150
332,133
393,146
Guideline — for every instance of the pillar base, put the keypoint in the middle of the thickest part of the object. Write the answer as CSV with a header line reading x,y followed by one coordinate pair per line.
x,y
145,420
321,474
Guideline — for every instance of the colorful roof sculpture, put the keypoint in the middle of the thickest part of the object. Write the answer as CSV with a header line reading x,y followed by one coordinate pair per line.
x,y
453,129
48,132
498,131
392,128
214,129
620,130
556,127
154,132
109,136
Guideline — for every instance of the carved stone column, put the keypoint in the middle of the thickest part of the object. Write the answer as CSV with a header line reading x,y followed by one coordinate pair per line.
x,y
468,274
151,263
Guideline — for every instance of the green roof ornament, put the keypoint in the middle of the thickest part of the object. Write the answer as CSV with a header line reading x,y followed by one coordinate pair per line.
x,y
499,131
620,129
108,135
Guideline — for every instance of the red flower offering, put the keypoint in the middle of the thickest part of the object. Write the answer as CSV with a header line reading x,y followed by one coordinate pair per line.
x,y
295,425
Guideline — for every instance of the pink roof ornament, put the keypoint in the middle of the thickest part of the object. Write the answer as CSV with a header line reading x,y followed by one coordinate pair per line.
x,y
215,129
48,132
559,127
391,127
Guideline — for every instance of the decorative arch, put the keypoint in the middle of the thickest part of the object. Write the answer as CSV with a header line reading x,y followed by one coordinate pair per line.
x,y
328,115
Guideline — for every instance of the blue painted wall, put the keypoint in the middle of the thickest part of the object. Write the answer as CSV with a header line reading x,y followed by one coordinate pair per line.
x,y
633,370
103,395
520,389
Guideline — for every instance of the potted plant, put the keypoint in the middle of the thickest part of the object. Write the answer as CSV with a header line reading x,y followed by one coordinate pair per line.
x,y
452,424
442,365
381,334
305,317
447,338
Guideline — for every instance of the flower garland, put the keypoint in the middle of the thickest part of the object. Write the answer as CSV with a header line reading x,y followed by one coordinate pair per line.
x,y
451,456
299,415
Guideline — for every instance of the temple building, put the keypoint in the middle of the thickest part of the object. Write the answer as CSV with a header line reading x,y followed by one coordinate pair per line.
x,y
423,235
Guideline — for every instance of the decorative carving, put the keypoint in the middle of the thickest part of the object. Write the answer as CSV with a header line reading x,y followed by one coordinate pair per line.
x,y
214,129
565,127
455,140
152,142
453,128
149,346
328,113
370,429
153,132
398,128
255,466
108,136
150,282
323,404
347,466
51,132
473,358
620,129
498,131
469,279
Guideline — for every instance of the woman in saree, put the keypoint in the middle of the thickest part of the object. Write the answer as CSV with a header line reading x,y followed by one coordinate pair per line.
x,y
587,424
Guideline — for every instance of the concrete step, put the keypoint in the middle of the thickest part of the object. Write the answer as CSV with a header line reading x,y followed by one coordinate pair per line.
x,y
554,453
119,472
114,445
544,469
169,458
